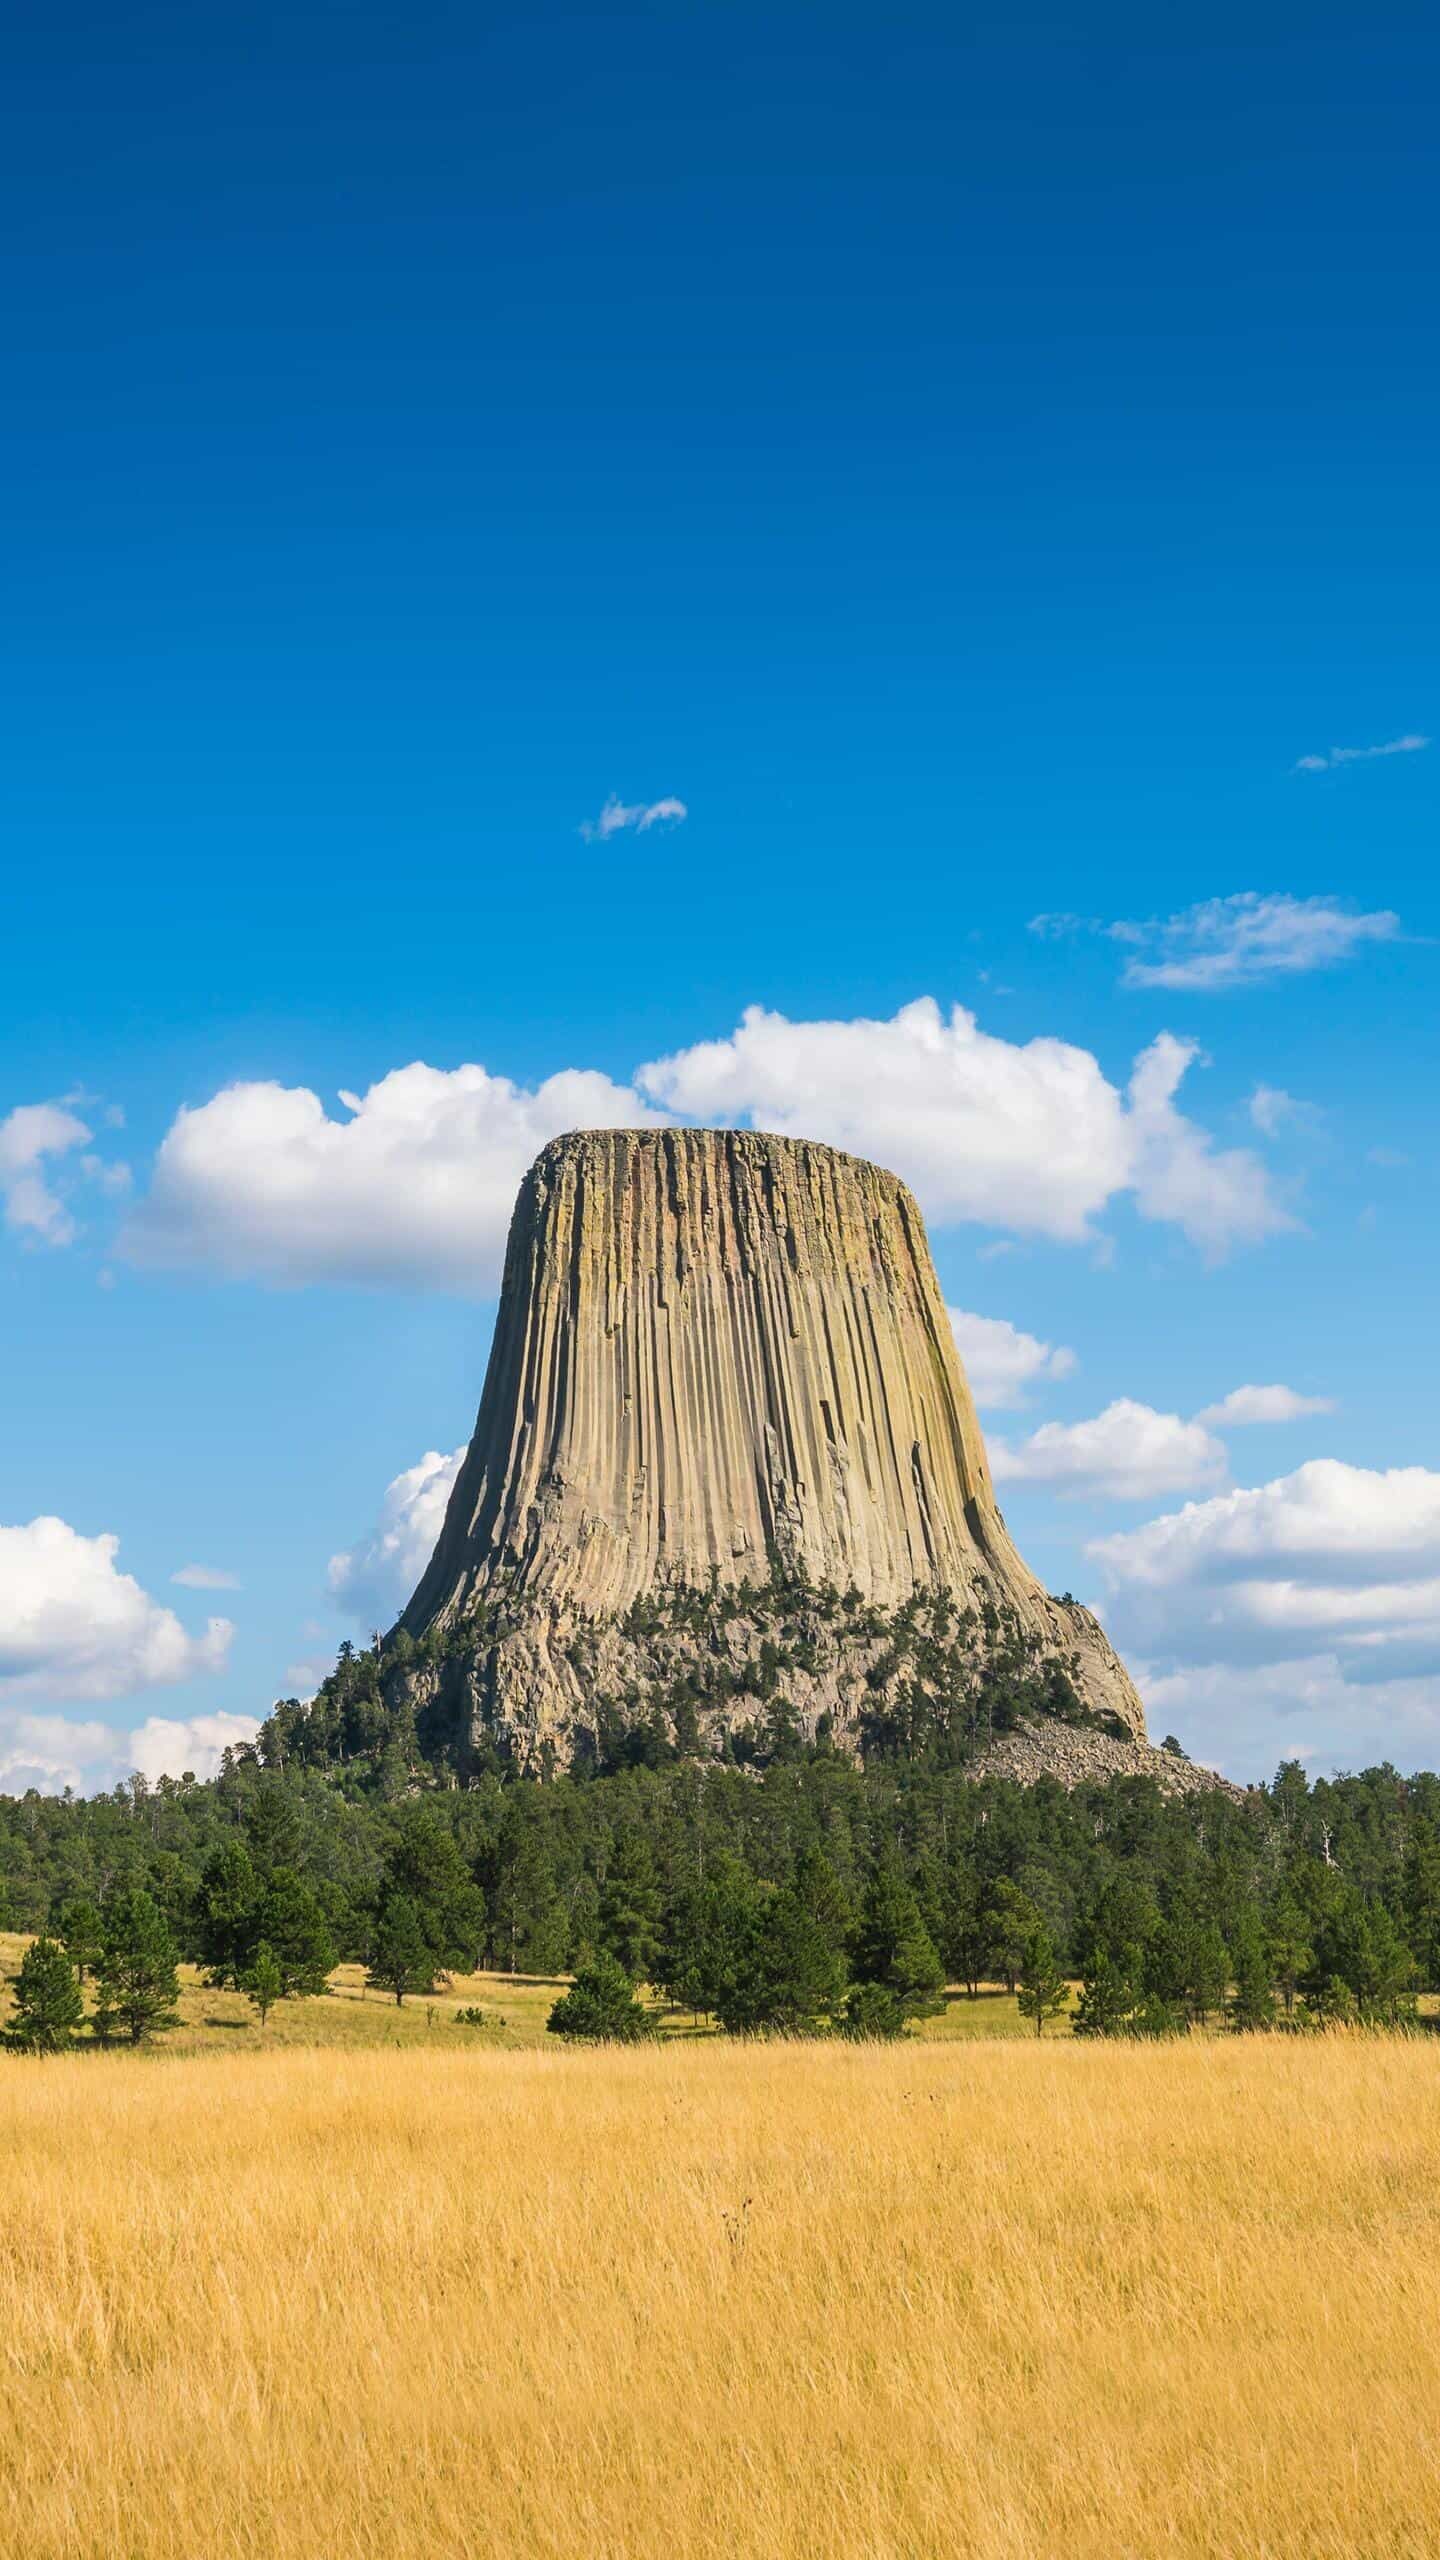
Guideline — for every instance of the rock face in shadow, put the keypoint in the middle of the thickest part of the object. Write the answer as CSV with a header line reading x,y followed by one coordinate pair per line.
x,y
725,1410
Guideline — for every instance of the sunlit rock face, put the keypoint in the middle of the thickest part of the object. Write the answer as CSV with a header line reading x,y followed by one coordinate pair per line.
x,y
722,1361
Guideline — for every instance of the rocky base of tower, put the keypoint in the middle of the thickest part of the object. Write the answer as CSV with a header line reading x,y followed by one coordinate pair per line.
x,y
748,1672
1078,1756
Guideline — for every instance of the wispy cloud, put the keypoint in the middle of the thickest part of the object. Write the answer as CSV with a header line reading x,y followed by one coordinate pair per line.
x,y
1409,745
1273,1110
1263,1404
205,1577
1244,940
1061,926
617,815
29,1202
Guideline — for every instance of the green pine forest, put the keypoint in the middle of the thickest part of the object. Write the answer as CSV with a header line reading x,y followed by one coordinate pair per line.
x,y
802,1892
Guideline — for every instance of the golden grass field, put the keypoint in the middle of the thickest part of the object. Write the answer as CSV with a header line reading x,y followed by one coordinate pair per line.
x,y
768,2302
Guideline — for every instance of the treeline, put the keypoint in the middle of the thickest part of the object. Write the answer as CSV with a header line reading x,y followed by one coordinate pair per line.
x,y
812,1893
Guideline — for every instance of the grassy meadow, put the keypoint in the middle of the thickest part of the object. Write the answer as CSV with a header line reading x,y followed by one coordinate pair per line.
x,y
780,2302
350,2017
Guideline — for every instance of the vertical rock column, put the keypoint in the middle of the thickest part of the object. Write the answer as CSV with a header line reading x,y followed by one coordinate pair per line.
x,y
713,1347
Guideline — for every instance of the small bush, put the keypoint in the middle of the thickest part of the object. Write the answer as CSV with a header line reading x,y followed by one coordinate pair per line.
x,y
600,2007
873,2014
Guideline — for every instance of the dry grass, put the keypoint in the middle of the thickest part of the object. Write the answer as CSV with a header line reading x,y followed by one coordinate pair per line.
x,y
764,2303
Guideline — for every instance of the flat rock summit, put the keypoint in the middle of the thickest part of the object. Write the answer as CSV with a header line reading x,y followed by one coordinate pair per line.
x,y
727,1484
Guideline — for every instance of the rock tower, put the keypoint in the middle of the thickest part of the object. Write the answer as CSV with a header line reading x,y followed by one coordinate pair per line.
x,y
724,1411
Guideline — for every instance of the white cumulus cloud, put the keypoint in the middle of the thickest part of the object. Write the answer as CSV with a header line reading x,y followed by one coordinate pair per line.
x,y
52,1752
1304,1709
1333,1559
1245,940
1263,1404
414,1187
373,1579
166,1746
642,815
72,1627
1030,1136
55,1752
1001,1362
1128,1453
1218,1196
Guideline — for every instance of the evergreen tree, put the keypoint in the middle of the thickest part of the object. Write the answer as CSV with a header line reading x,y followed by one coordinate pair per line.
x,y
226,1911
401,1956
264,1981
137,1986
1186,1967
893,1948
1361,1949
1252,2001
1290,1953
1207,1971
79,1925
1155,2017
1011,1920
706,1939
1109,1996
1387,1993
426,1867
600,2007
48,2007
1421,1892
788,1978
824,1897
1289,1794
1044,1992
528,1921
965,1930
1329,2000
630,1907
680,1971
272,1825
1122,1926
872,2015
289,1922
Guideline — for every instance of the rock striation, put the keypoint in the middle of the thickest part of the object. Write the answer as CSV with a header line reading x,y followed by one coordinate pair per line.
x,y
724,1410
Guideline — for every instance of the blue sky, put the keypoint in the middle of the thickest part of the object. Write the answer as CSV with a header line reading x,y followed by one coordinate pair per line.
x,y
968,461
